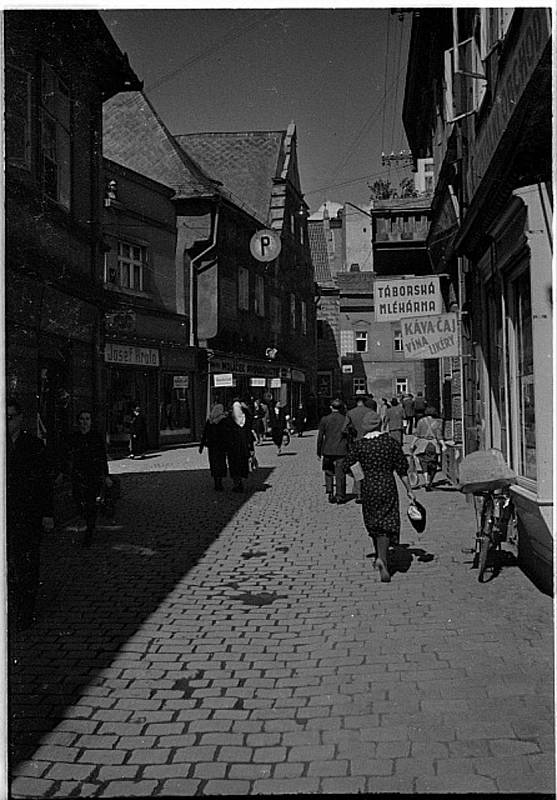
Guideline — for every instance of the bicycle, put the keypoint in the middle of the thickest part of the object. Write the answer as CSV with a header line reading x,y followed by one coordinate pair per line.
x,y
497,511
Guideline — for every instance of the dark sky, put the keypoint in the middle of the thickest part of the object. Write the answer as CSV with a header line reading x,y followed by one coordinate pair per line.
x,y
337,73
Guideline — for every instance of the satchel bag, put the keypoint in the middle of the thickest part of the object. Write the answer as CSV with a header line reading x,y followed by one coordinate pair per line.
x,y
417,515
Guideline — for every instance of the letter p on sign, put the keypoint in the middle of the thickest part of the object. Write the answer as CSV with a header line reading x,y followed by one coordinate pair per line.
x,y
265,245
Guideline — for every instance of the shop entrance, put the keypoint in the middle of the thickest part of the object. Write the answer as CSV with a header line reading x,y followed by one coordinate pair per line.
x,y
127,387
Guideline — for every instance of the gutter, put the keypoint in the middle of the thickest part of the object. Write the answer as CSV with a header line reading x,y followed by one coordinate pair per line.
x,y
193,282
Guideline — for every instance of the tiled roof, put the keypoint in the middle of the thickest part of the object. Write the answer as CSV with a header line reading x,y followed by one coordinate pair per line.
x,y
135,136
245,163
319,255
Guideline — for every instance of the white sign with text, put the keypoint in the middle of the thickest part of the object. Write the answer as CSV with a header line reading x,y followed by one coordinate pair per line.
x,y
397,298
430,337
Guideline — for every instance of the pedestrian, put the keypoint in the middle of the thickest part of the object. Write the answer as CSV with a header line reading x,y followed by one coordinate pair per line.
x,y
332,446
428,444
29,501
214,438
277,422
87,465
300,419
393,420
382,412
355,432
379,456
138,433
239,444
259,421
420,406
408,408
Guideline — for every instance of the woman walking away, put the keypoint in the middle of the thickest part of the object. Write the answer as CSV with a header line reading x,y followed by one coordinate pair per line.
x,y
277,421
380,456
215,440
88,469
240,447
259,421
393,419
428,444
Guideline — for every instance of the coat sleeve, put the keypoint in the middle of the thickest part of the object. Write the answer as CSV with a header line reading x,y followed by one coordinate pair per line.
x,y
320,436
400,462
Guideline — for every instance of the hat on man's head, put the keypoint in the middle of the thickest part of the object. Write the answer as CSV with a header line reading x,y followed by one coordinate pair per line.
x,y
371,422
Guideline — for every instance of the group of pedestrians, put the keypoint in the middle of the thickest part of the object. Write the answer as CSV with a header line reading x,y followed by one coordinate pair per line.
x,y
32,471
369,446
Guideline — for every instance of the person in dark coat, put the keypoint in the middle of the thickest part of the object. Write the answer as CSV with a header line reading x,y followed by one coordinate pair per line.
x,y
380,456
240,444
88,468
29,490
408,408
332,446
214,438
259,411
138,434
277,423
300,419
393,420
420,406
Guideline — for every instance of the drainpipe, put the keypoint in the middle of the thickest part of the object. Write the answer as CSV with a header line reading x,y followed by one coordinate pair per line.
x,y
193,282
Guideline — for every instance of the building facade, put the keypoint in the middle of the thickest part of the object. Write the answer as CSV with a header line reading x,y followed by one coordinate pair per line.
x,y
487,126
54,248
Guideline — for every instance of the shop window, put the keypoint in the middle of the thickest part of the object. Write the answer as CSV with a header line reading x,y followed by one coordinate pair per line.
x,y
361,341
243,289
55,137
132,259
175,413
524,368
259,296
397,341
18,116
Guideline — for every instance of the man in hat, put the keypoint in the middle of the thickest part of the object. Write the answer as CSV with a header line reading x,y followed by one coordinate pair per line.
x,y
332,446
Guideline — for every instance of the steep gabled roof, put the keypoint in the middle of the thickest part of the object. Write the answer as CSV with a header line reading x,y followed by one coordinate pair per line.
x,y
135,136
319,253
246,163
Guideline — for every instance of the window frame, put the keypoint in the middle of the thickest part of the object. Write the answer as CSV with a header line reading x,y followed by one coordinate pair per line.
x,y
361,336
243,289
259,297
397,340
12,117
131,263
55,102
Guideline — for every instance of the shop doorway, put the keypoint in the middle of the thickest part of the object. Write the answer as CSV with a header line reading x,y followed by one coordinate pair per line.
x,y
127,387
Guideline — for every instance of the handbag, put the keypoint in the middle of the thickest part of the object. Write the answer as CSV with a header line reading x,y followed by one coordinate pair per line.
x,y
357,471
253,463
417,515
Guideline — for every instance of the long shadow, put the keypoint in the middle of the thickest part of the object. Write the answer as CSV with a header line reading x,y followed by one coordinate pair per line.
x,y
403,555
93,600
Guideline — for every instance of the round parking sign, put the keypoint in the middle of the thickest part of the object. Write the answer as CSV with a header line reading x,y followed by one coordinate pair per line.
x,y
265,245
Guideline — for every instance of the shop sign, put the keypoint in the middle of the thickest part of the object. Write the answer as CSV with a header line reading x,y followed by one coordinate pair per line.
x,y
180,382
298,376
129,355
347,369
395,299
275,383
430,337
257,382
224,379
119,322
534,33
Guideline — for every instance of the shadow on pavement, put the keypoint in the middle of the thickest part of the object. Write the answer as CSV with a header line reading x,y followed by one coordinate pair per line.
x,y
92,601
403,555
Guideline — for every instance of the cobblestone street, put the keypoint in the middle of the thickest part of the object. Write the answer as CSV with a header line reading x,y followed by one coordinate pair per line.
x,y
243,644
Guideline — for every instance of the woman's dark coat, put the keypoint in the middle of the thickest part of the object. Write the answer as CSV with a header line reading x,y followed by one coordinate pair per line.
x,y
239,447
215,439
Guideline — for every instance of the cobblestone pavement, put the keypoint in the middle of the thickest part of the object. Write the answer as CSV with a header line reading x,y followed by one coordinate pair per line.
x,y
219,644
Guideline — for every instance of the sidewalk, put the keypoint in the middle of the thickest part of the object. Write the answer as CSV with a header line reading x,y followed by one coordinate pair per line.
x,y
227,644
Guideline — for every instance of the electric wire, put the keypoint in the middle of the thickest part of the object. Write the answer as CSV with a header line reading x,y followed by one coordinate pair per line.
x,y
224,40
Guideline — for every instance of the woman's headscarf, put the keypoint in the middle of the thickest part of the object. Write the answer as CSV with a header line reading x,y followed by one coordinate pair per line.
x,y
371,422
217,413
238,414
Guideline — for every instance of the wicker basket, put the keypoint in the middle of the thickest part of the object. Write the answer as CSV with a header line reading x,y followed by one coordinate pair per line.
x,y
484,471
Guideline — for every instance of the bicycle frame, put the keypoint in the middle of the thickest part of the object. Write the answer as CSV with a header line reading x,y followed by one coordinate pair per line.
x,y
496,512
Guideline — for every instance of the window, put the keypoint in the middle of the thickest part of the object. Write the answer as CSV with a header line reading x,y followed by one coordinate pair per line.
x,y
18,117
397,341
259,296
361,341
303,317
132,259
55,137
243,288
401,386
275,314
494,24
293,311
359,386
524,366
464,91
346,342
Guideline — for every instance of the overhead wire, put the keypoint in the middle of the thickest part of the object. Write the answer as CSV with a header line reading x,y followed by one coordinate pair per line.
x,y
224,40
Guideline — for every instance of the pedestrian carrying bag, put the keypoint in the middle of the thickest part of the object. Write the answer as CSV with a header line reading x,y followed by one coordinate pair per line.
x,y
417,515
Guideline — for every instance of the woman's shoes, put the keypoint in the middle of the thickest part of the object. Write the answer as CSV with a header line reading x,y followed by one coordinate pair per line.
x,y
384,573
